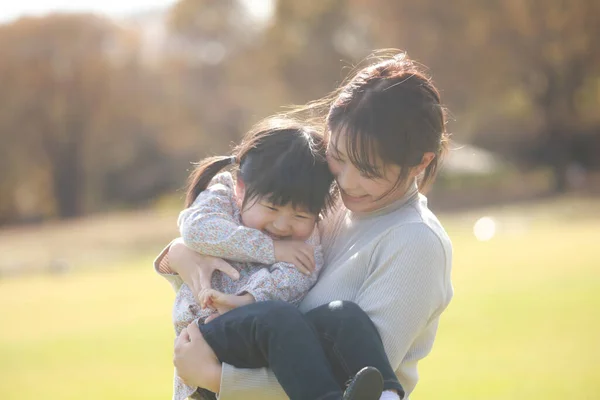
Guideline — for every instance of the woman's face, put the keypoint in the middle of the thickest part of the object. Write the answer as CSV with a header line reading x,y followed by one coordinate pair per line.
x,y
362,193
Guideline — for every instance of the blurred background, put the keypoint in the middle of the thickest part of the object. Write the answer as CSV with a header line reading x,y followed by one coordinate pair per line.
x,y
104,106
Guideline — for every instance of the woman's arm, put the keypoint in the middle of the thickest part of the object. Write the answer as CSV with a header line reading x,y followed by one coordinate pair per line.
x,y
249,384
209,227
197,365
406,286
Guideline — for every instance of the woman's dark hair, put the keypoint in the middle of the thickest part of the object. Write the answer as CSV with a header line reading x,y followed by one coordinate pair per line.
x,y
388,108
280,159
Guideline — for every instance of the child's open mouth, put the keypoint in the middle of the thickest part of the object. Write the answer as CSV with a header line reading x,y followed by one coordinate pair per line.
x,y
276,237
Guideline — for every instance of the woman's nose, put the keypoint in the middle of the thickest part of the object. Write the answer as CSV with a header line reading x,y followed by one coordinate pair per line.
x,y
346,179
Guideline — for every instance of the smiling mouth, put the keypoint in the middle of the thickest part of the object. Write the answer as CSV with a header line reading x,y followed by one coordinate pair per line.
x,y
276,237
356,198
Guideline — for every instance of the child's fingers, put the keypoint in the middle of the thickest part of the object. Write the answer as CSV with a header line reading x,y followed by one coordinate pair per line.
x,y
310,253
205,298
302,263
216,297
210,303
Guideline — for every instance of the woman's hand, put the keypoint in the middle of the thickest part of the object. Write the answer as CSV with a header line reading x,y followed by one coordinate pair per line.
x,y
196,362
300,254
196,269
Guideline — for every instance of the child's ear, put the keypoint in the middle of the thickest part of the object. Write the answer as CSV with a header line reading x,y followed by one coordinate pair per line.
x,y
240,191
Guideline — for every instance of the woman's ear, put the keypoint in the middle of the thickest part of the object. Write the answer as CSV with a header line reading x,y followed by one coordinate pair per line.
x,y
240,191
425,161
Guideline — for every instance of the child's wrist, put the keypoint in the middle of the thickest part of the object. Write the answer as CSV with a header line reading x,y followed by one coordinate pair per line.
x,y
248,298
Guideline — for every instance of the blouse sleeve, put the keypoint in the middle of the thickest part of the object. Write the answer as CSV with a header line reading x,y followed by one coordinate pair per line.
x,y
161,267
209,227
282,281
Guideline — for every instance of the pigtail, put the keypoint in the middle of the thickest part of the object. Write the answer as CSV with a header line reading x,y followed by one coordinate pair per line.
x,y
203,174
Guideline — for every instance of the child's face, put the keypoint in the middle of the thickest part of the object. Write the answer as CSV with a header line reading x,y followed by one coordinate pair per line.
x,y
279,222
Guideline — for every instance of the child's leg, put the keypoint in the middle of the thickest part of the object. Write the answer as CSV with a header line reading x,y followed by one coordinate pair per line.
x,y
351,342
277,335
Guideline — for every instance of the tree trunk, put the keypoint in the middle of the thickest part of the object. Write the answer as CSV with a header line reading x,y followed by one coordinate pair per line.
x,y
67,179
559,156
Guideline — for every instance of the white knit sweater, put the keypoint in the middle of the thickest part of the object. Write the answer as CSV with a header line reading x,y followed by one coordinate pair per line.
x,y
395,264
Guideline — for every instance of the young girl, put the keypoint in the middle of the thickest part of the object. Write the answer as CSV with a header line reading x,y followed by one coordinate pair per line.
x,y
388,259
260,222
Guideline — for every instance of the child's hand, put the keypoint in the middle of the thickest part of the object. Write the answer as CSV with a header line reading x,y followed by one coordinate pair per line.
x,y
295,252
222,302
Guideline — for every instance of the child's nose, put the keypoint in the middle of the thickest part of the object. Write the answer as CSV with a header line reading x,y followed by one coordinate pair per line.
x,y
282,224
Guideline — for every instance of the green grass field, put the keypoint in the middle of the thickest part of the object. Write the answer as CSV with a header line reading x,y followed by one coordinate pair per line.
x,y
523,324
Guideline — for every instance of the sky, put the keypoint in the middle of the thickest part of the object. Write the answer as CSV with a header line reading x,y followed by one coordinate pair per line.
x,y
11,10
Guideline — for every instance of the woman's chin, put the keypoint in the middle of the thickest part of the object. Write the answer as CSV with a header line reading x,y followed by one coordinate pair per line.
x,y
357,204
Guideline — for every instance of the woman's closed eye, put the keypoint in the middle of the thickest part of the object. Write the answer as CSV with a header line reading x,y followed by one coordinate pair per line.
x,y
370,175
336,157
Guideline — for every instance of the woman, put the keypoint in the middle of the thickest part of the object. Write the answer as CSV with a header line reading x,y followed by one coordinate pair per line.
x,y
387,257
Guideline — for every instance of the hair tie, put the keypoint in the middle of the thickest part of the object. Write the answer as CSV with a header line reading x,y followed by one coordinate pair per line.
x,y
232,160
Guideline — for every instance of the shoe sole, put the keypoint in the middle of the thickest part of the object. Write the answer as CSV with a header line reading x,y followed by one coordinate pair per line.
x,y
366,385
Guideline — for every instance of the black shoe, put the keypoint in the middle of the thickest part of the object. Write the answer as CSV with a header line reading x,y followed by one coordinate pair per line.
x,y
367,384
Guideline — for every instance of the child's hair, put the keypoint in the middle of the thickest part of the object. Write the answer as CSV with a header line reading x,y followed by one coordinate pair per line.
x,y
280,159
389,108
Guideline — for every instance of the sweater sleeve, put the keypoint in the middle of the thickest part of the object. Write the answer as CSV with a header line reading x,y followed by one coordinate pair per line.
x,y
409,265
209,227
282,281
250,384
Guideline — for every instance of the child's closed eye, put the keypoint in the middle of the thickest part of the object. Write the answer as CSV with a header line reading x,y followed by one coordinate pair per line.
x,y
270,207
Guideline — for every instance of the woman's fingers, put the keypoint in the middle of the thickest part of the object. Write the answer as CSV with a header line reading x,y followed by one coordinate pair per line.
x,y
182,339
194,332
204,279
202,299
226,268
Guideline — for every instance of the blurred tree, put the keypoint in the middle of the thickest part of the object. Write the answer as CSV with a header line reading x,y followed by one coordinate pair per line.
x,y
503,61
208,39
307,44
295,57
56,71
552,51
75,109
